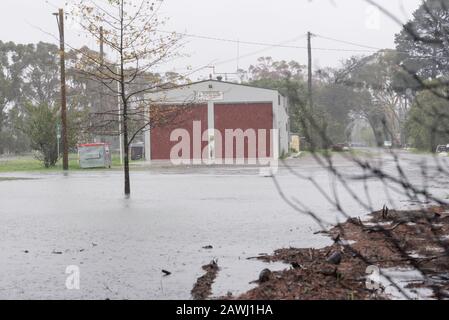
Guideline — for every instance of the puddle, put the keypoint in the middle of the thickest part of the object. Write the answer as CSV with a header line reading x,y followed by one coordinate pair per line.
x,y
378,224
402,278
415,255
236,277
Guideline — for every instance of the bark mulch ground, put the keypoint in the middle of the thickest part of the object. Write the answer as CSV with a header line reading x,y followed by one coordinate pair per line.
x,y
203,286
407,239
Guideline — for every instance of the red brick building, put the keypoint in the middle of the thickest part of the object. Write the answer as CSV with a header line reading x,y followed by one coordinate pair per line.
x,y
218,110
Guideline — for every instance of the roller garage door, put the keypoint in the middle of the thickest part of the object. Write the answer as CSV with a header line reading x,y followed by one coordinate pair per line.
x,y
161,145
245,116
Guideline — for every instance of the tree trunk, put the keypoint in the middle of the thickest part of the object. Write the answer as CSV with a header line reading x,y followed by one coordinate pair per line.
x,y
127,182
125,106
125,140
377,135
126,154
2,148
432,142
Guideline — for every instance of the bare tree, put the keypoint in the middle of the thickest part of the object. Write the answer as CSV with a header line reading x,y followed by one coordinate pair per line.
x,y
130,31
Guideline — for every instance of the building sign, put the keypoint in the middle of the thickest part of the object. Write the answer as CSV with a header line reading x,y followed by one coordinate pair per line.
x,y
209,95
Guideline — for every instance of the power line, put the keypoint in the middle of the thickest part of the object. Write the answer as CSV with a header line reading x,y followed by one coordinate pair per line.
x,y
368,49
252,53
51,4
346,42
273,45
265,44
282,45
380,49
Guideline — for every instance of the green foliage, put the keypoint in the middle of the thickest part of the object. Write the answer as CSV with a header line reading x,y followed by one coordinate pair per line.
x,y
30,74
267,68
380,79
423,40
367,136
427,125
40,127
288,79
336,104
371,88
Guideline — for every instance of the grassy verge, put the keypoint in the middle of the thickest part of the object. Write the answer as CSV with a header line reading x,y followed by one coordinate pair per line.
x,y
30,164
327,153
420,151
12,179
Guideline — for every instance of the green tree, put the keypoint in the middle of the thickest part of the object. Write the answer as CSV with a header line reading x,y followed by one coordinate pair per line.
x,y
12,66
380,77
423,42
40,126
427,125
337,104
30,74
267,68
288,79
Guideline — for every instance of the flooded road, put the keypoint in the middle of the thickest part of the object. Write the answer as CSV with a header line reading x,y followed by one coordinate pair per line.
x,y
121,245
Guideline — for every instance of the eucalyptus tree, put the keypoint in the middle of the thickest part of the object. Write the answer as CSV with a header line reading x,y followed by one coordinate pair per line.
x,y
423,42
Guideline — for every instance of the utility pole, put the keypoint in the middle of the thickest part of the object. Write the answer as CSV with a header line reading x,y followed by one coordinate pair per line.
x,y
65,147
101,102
311,131
309,50
101,46
119,107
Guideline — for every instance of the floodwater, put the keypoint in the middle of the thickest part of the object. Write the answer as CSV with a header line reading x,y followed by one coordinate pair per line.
x,y
121,245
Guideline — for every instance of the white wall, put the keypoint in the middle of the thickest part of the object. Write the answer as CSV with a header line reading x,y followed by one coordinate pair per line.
x,y
283,126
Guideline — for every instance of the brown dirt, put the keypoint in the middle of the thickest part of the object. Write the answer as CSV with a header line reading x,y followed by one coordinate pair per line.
x,y
203,286
414,239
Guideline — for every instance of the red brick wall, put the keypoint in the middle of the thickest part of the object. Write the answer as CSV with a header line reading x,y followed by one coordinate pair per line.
x,y
245,116
161,145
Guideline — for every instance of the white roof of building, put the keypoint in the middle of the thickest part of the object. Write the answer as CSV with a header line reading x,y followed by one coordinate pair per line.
x,y
223,91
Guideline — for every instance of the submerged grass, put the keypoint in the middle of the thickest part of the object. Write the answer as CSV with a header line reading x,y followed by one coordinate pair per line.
x,y
13,179
330,153
30,164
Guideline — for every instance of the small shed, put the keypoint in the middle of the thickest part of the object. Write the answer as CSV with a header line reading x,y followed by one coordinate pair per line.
x,y
94,155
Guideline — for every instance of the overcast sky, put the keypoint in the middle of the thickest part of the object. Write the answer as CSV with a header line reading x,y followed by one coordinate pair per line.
x,y
267,21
